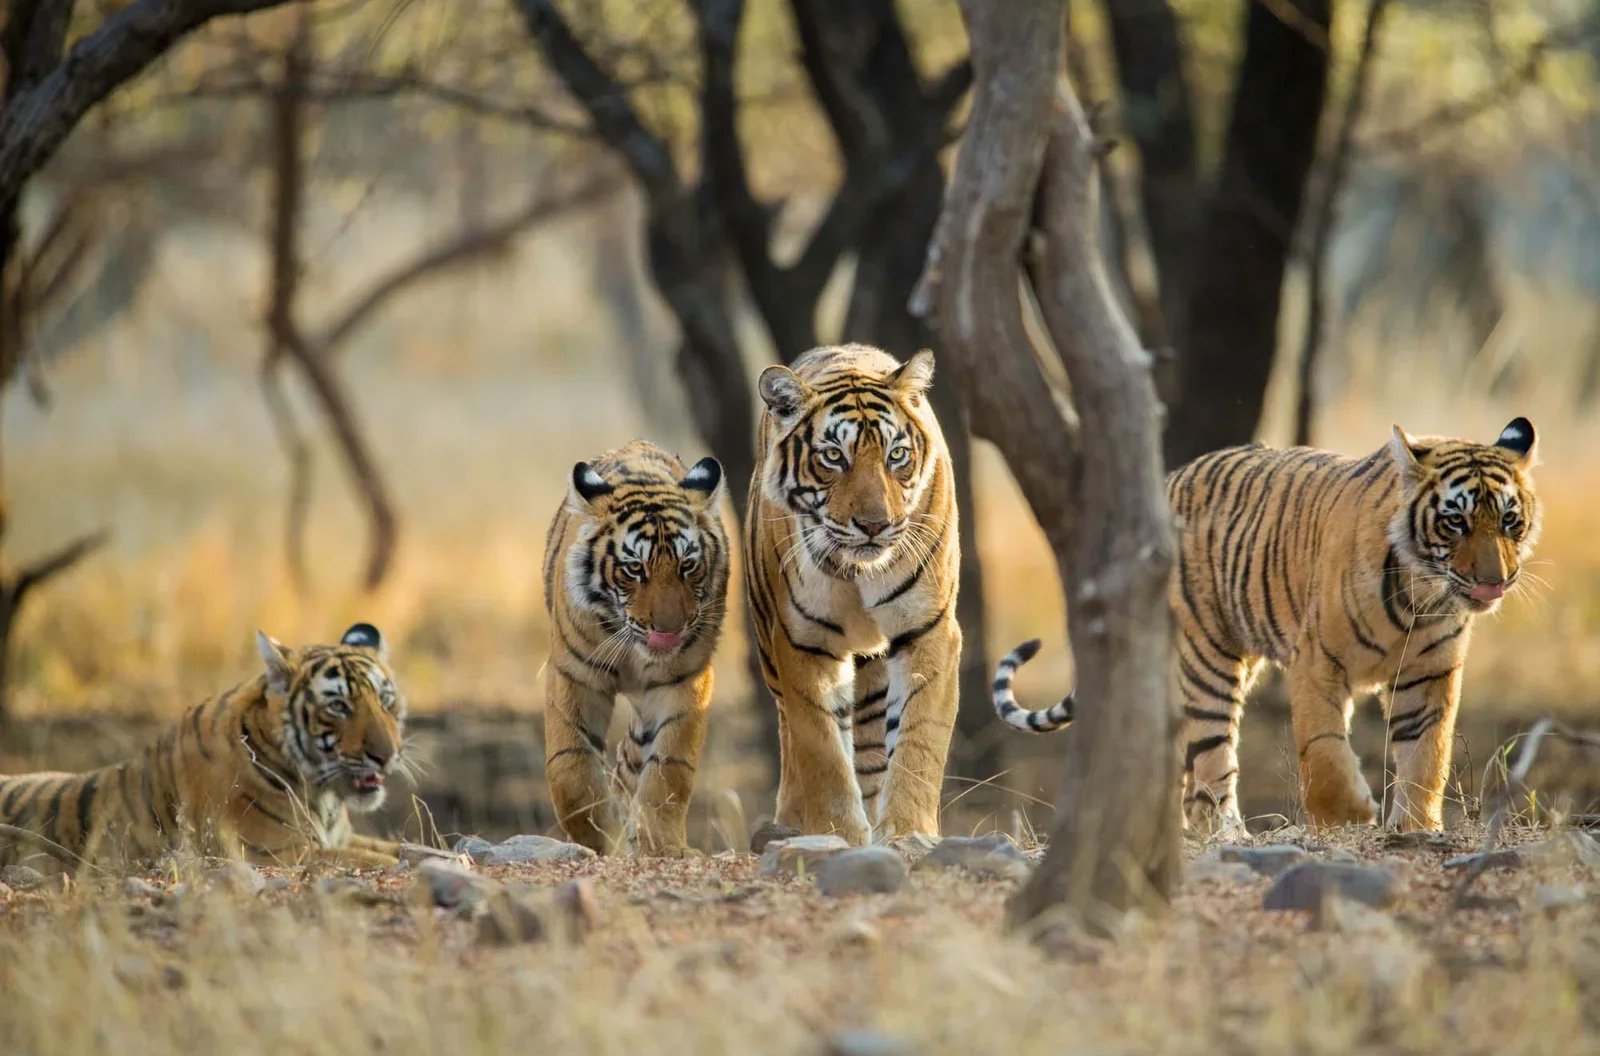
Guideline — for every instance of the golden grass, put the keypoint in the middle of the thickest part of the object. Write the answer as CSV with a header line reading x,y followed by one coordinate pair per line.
x,y
703,957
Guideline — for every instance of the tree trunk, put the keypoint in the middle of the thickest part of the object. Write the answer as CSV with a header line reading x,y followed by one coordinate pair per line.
x,y
1229,335
1114,847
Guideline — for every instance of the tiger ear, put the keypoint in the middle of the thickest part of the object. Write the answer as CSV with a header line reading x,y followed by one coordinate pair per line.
x,y
783,392
916,375
1519,438
280,664
1406,454
366,636
702,480
588,486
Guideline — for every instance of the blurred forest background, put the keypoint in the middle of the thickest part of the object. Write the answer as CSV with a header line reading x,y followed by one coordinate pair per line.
x,y
312,317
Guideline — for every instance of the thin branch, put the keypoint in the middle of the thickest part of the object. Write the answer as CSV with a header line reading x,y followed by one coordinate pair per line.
x,y
53,564
468,246
1324,214
605,100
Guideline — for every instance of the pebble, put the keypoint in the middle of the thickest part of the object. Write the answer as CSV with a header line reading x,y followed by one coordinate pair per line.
x,y
521,849
136,887
994,857
21,877
473,847
414,854
1306,885
915,847
789,857
1270,860
1502,858
769,832
861,871
451,886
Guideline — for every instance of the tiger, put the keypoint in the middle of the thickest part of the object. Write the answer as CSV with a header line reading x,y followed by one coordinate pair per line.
x,y
635,583
1354,575
267,772
852,544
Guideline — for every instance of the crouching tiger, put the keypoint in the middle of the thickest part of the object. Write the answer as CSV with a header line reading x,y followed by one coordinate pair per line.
x,y
268,771
1356,575
635,580
853,550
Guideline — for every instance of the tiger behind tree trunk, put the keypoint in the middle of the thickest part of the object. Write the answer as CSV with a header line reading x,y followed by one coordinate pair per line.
x,y
268,771
852,550
1356,575
635,581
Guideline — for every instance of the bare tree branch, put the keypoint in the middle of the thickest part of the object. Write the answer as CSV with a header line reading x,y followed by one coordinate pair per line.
x,y
15,587
1324,213
37,119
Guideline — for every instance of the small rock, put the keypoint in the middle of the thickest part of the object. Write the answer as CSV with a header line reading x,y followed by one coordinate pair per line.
x,y
519,849
1208,868
769,832
915,847
413,854
993,857
1552,899
799,853
579,906
451,886
509,919
861,871
239,877
866,1043
1306,885
474,847
277,883
1418,840
55,884
21,877
136,887
1269,860
1567,848
1502,858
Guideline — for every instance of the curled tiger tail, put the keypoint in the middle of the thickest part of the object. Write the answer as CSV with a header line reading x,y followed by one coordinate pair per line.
x,y
1045,720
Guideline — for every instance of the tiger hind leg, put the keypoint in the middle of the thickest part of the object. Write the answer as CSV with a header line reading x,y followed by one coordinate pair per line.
x,y
1211,711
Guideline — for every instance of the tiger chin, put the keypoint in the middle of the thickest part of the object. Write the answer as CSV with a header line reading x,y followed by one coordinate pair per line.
x,y
852,547
268,772
1355,575
635,582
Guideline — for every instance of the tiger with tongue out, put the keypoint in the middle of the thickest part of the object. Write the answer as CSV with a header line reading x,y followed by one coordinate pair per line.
x,y
635,581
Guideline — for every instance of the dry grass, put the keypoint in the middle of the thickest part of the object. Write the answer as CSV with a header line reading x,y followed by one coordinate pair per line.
x,y
703,957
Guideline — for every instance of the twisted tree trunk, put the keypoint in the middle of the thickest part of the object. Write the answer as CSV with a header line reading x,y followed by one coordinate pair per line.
x,y
1022,204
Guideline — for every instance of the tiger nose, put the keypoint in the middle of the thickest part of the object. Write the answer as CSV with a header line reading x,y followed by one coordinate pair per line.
x,y
872,528
380,754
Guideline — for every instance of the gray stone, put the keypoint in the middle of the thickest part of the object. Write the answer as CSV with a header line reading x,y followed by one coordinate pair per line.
x,y
238,877
1566,848
1308,884
866,1043
1210,868
135,887
416,853
451,886
915,847
1552,899
1503,858
861,871
277,883
1270,860
994,857
521,849
799,854
768,832
474,847
21,877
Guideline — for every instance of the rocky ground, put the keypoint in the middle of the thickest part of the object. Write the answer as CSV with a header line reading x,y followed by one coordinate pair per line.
x,y
1328,943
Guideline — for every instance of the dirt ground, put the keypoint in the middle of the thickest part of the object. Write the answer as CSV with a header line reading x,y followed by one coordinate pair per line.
x,y
705,955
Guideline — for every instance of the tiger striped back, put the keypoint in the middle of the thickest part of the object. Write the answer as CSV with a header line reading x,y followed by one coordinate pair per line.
x,y
267,771
1354,574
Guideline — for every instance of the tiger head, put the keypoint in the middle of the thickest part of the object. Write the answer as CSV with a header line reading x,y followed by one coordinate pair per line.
x,y
651,561
1469,517
343,717
850,457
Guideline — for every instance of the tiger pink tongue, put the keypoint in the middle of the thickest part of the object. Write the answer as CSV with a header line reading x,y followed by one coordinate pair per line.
x,y
1488,592
661,641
